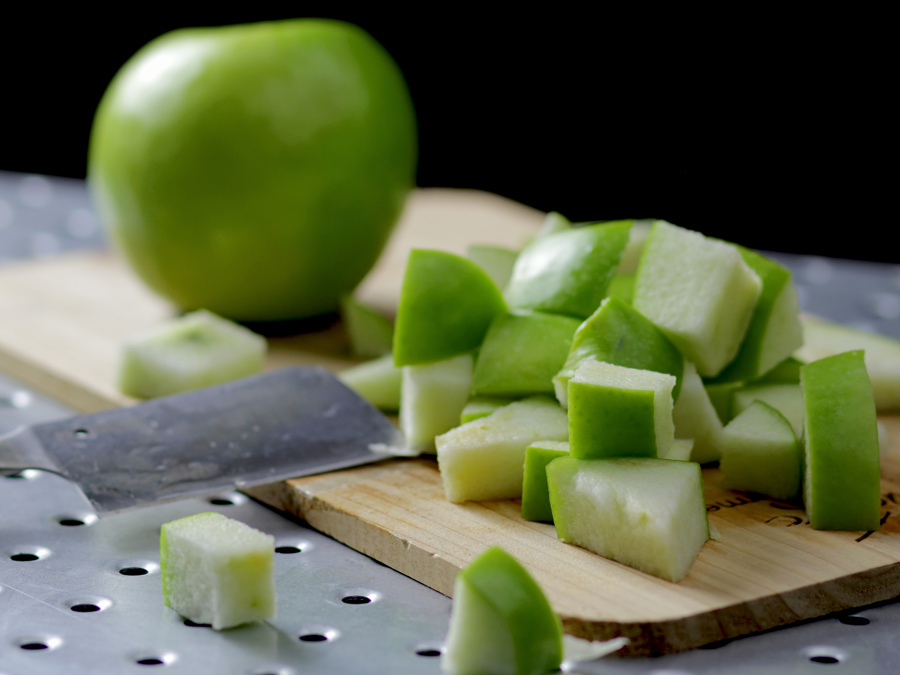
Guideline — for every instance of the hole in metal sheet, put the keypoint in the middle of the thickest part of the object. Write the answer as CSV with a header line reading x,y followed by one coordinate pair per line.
x,y
27,474
85,607
71,522
34,646
221,501
24,557
854,620
314,637
76,519
318,634
28,553
82,433
150,661
824,659
356,600
428,652
134,571
825,655
287,550
194,624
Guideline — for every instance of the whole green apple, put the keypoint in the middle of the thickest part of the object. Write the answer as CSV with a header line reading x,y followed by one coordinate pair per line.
x,y
255,170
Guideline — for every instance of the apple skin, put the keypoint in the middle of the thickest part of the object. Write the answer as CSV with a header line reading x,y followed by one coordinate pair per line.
x,y
254,170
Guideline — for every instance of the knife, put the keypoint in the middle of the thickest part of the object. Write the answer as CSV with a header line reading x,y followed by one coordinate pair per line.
x,y
282,424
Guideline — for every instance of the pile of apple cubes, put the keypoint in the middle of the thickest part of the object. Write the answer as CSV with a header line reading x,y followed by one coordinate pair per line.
x,y
615,361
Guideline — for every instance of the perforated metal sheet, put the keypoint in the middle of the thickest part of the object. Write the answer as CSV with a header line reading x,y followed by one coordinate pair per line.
x,y
80,595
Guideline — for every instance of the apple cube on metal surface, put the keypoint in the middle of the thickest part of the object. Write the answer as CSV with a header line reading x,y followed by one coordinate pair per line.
x,y
699,292
196,350
646,513
217,570
619,412
760,453
842,471
485,458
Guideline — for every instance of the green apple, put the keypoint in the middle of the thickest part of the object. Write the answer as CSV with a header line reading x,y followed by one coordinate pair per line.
x,y
640,230
521,353
432,398
699,292
621,286
481,406
616,411
646,513
786,372
446,305
617,333
501,622
256,170
681,449
695,417
775,331
497,261
720,395
217,570
823,338
568,272
371,333
485,458
785,397
196,350
535,493
378,381
760,453
842,473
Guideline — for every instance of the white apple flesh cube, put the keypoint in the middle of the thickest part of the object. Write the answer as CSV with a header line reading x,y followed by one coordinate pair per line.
x,y
760,453
217,571
485,458
696,418
196,350
646,513
616,411
700,293
432,398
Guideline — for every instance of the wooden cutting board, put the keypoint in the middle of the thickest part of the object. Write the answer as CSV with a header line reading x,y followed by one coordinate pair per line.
x,y
64,318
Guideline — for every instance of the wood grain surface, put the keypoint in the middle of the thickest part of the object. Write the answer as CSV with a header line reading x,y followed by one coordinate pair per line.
x,y
64,318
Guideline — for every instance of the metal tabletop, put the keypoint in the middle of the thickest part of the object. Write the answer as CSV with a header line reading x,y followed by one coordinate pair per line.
x,y
81,595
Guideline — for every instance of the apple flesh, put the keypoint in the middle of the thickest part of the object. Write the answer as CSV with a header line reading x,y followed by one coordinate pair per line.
x,y
786,398
432,398
255,171
485,458
481,406
842,473
371,334
760,453
695,418
535,493
568,272
646,513
378,381
197,350
699,292
617,333
521,353
824,338
619,412
775,331
497,261
501,621
217,571
446,305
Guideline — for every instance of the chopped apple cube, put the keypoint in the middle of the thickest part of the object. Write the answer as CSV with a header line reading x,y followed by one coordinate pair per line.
x,y
217,570
619,412
535,493
696,418
378,381
485,458
646,513
432,398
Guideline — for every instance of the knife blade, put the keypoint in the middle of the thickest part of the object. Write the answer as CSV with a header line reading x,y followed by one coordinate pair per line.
x,y
282,424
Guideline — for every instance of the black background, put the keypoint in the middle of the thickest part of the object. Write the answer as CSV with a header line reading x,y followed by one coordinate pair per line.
x,y
762,129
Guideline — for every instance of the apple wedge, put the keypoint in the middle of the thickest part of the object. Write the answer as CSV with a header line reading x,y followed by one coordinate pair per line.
x,y
485,458
378,381
699,292
535,493
695,418
649,514
760,453
217,570
446,304
501,622
371,334
842,473
432,398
